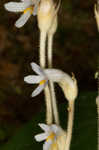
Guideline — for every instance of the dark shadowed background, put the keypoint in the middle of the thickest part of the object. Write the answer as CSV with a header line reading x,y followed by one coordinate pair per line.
x,y
75,49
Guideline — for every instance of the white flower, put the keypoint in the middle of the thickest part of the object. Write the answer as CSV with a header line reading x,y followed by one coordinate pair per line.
x,y
41,78
28,7
50,135
66,82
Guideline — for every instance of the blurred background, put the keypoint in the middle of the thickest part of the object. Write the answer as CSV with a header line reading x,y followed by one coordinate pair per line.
x,y
75,49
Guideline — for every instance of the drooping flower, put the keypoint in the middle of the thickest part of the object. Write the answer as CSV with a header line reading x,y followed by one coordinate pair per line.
x,y
66,82
27,7
41,78
50,135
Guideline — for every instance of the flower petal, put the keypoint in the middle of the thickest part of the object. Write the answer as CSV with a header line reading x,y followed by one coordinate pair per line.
x,y
41,137
45,127
35,10
38,89
47,145
15,6
54,128
23,19
30,2
31,79
37,69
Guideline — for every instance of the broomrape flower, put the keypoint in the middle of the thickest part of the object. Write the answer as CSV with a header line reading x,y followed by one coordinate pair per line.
x,y
41,78
50,135
27,7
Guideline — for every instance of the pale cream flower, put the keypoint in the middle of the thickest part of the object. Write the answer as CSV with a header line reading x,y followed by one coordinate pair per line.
x,y
51,135
27,7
